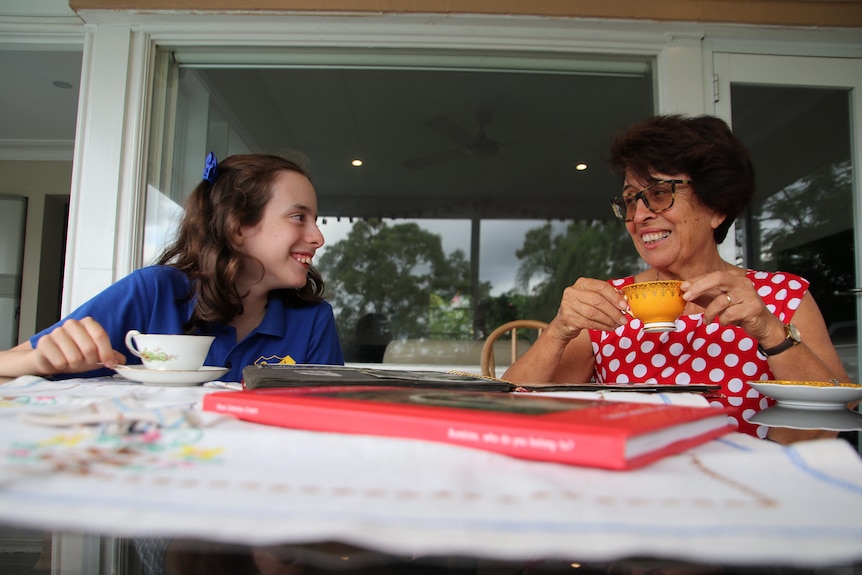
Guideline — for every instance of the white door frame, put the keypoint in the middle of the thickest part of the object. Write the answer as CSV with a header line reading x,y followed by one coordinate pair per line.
x,y
803,71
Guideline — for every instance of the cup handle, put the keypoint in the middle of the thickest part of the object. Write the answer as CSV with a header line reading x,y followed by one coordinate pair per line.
x,y
628,310
130,342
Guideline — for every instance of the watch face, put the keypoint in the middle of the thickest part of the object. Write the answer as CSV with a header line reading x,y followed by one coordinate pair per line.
x,y
793,333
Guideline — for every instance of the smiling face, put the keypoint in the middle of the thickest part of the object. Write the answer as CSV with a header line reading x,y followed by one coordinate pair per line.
x,y
678,241
286,238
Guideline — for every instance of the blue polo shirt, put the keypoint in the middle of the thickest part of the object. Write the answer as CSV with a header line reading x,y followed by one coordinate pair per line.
x,y
150,300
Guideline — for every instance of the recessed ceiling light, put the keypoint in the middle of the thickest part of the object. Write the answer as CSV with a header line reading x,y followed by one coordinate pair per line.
x,y
62,84
356,163
580,167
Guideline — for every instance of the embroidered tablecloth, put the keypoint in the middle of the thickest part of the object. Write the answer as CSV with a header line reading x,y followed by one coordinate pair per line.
x,y
735,500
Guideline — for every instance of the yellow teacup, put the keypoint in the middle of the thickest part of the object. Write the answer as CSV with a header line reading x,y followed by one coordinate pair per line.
x,y
657,304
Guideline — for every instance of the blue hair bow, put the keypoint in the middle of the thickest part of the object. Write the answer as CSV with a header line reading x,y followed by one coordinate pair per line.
x,y
211,168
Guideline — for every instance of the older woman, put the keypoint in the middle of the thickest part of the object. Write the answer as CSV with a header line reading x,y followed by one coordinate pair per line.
x,y
685,181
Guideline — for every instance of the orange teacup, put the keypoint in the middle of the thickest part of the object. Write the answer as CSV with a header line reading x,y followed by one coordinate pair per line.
x,y
657,304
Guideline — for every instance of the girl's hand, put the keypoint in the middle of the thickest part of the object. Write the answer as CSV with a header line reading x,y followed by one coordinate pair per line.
x,y
589,304
75,346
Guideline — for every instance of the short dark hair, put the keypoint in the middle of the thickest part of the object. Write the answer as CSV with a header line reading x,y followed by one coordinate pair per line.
x,y
702,147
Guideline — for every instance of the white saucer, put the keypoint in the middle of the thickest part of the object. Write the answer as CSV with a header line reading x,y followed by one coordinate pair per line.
x,y
171,378
841,419
802,396
659,326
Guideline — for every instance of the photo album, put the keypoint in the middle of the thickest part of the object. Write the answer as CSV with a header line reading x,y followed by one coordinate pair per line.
x,y
308,375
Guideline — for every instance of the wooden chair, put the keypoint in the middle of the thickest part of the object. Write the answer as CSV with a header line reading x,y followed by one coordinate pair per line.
x,y
488,368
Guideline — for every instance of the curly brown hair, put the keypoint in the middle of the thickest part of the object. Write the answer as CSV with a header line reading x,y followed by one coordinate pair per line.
x,y
702,147
203,250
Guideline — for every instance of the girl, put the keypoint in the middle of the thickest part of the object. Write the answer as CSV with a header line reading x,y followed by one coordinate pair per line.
x,y
239,270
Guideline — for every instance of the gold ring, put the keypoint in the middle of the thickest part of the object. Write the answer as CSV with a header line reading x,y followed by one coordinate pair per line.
x,y
729,301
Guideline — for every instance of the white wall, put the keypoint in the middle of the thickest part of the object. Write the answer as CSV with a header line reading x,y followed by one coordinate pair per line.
x,y
34,180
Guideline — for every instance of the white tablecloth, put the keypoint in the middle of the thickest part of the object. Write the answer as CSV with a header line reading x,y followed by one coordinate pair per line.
x,y
735,500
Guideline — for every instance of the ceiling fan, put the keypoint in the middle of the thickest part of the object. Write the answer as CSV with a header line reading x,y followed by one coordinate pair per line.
x,y
476,145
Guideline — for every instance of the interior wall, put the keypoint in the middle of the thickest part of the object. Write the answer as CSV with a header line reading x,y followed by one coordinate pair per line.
x,y
40,182
837,13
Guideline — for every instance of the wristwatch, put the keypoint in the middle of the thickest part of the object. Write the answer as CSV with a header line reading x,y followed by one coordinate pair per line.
x,y
793,338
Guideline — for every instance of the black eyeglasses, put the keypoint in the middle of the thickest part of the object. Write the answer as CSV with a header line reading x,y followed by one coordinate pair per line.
x,y
658,197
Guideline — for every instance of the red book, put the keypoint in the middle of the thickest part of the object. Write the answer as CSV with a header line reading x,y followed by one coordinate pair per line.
x,y
608,434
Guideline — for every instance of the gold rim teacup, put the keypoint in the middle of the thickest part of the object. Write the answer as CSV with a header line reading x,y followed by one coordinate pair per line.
x,y
657,304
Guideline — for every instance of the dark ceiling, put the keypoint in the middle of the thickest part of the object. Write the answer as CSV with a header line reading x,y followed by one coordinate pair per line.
x,y
440,143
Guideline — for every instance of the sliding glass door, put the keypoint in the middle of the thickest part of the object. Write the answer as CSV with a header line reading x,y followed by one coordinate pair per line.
x,y
457,191
800,117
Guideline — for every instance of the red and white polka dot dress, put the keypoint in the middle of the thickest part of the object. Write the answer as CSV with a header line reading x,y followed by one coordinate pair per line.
x,y
700,353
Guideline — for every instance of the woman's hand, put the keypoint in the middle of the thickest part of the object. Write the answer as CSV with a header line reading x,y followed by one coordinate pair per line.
x,y
563,353
589,304
75,346
733,300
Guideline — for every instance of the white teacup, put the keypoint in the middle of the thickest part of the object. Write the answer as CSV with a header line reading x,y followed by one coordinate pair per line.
x,y
174,352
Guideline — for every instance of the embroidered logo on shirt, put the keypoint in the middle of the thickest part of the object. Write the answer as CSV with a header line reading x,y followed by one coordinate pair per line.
x,y
286,360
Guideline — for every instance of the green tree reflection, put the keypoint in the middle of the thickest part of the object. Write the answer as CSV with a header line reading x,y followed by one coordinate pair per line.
x,y
807,229
400,274
394,271
550,263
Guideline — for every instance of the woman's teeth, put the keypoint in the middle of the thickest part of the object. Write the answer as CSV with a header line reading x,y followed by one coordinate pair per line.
x,y
303,259
654,237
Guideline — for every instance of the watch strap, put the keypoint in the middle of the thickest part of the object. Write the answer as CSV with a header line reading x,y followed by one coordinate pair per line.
x,y
789,341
